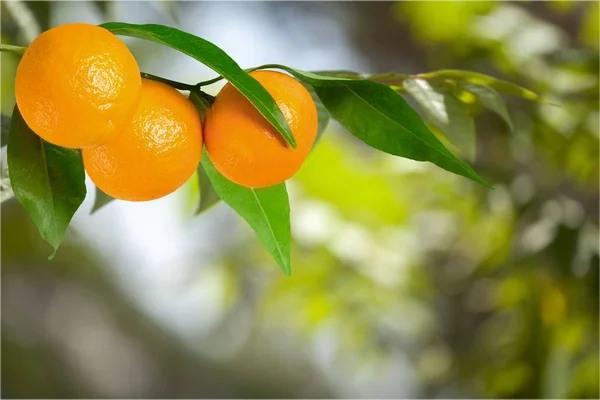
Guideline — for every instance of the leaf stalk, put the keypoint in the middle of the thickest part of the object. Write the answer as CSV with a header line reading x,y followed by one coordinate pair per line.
x,y
174,84
9,48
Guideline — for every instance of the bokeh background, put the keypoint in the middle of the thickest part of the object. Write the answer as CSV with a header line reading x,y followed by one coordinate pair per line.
x,y
408,281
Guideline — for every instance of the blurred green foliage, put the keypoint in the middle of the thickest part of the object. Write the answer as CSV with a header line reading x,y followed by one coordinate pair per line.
x,y
484,293
509,289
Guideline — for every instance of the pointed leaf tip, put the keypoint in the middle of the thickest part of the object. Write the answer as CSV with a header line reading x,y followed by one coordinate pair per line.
x,y
49,181
266,210
381,118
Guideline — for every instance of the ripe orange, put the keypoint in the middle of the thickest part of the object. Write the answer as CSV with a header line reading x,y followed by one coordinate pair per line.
x,y
242,144
155,154
77,85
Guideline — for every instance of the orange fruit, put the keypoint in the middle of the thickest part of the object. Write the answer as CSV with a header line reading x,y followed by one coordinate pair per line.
x,y
77,85
155,154
242,144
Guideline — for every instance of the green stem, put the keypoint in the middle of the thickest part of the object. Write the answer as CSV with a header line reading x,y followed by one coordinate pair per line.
x,y
209,82
385,78
218,78
19,50
175,84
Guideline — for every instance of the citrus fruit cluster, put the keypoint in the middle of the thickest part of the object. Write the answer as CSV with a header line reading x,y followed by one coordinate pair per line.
x,y
79,86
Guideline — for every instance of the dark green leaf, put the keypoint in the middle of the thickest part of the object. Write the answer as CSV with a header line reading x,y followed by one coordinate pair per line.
x,y
322,113
208,196
101,200
266,210
382,119
5,128
201,101
216,59
445,112
481,79
491,99
49,181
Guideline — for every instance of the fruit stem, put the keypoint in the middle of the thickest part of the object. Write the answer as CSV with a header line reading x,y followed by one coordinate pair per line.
x,y
175,84
12,49
209,82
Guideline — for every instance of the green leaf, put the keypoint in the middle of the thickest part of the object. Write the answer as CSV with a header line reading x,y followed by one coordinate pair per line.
x,y
5,128
49,181
445,112
216,59
491,99
266,210
382,119
101,200
481,79
322,113
201,101
208,196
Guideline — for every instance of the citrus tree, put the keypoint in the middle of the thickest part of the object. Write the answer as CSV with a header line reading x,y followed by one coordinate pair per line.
x,y
83,108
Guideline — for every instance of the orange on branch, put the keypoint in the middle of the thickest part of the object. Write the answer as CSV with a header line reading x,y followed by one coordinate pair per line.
x,y
245,147
77,85
155,154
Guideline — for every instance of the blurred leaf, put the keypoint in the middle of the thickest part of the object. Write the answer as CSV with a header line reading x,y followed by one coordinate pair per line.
x,y
340,74
340,174
490,99
389,78
42,11
446,112
443,21
322,114
381,118
590,28
266,210
6,192
216,59
4,129
101,6
208,196
49,181
577,58
481,79
101,200
30,17
106,8
562,6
